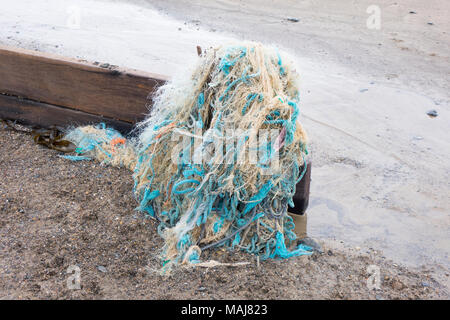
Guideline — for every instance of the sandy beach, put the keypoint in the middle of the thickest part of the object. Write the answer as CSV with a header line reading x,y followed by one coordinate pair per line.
x,y
381,175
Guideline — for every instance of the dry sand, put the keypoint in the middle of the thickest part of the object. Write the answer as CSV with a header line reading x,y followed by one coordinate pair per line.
x,y
381,171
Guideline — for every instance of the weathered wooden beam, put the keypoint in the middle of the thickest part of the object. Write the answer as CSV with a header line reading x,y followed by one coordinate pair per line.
x,y
45,115
67,87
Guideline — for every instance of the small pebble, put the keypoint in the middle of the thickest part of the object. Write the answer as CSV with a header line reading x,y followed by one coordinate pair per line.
x,y
102,269
397,285
293,19
432,113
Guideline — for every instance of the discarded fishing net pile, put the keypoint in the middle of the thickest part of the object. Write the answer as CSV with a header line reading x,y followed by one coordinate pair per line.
x,y
104,144
194,162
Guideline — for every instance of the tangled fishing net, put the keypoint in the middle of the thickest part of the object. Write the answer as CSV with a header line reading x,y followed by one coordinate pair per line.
x,y
217,160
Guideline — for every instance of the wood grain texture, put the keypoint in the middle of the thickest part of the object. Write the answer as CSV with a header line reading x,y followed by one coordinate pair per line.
x,y
45,115
107,91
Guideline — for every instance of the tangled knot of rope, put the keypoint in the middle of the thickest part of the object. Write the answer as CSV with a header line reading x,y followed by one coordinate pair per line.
x,y
217,160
